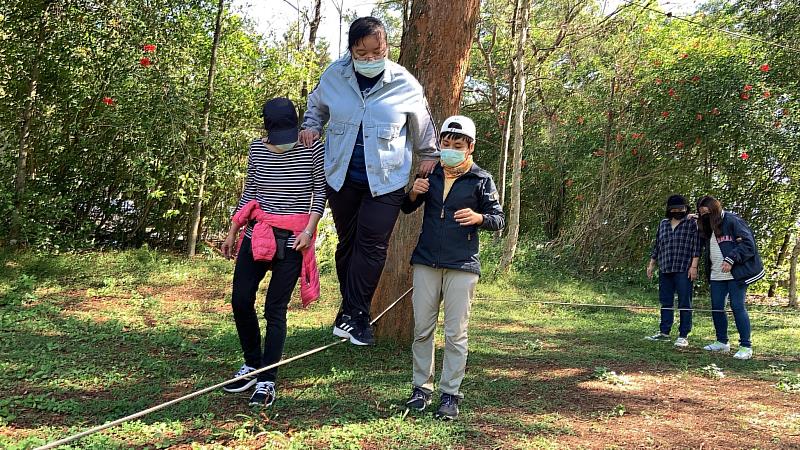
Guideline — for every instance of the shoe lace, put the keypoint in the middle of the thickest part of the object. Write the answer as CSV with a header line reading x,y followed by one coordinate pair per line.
x,y
266,388
418,394
449,400
243,371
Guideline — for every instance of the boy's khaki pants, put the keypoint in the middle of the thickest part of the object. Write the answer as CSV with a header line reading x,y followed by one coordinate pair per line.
x,y
457,288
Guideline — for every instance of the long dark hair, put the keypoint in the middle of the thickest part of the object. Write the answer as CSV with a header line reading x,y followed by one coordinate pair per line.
x,y
364,27
714,216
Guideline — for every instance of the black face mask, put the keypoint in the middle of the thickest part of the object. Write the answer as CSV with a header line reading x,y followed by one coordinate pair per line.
x,y
706,219
677,215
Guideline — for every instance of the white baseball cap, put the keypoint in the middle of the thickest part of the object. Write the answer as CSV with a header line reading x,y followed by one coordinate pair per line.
x,y
459,124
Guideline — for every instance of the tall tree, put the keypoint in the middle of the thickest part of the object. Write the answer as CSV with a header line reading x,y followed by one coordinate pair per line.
x,y
435,49
512,237
212,71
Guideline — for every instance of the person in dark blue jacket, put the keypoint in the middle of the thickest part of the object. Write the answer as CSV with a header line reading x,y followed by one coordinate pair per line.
x,y
460,198
733,263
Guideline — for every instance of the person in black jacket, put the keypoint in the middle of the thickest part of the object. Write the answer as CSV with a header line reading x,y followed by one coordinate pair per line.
x,y
733,263
460,198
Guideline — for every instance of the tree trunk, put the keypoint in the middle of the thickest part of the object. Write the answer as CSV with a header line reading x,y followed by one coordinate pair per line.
x,y
24,133
312,41
204,147
773,283
793,273
512,235
435,49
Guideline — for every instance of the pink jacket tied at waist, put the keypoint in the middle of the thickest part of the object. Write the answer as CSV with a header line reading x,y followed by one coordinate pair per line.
x,y
264,244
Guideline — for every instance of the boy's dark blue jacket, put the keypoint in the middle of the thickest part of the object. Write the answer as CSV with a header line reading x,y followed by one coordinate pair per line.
x,y
444,243
738,248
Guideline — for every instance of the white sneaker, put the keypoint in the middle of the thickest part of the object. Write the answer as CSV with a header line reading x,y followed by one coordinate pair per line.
x,y
681,342
717,346
744,353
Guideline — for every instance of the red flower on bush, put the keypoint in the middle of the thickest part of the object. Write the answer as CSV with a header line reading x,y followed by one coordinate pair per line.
x,y
748,87
637,135
149,48
695,78
744,96
764,67
634,151
744,156
699,117
767,94
715,111
145,62
620,137
659,81
671,92
679,145
684,55
777,124
581,120
665,114
108,101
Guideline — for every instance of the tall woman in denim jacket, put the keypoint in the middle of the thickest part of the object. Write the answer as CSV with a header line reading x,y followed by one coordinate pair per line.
x,y
376,114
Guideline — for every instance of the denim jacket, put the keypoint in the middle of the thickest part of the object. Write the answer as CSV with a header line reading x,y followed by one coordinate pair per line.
x,y
394,115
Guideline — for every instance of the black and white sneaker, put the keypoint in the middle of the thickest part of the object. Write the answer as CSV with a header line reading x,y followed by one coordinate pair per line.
x,y
419,400
341,327
243,383
361,331
448,409
264,395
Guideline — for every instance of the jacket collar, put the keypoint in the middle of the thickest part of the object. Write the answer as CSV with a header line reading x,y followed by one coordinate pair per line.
x,y
474,170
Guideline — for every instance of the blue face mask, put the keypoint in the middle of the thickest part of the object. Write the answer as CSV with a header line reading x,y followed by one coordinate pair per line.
x,y
451,157
369,69
285,147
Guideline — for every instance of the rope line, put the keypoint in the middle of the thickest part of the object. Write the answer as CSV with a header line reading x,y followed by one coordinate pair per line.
x,y
653,308
713,28
113,423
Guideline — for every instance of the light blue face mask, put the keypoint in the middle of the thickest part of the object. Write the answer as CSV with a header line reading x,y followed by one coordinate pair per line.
x,y
451,157
285,147
369,69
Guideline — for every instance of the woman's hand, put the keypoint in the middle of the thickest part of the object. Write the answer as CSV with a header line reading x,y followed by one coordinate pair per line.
x,y
467,217
307,137
426,167
726,267
302,241
228,245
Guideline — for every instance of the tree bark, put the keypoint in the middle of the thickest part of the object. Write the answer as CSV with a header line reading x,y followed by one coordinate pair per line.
x,y
31,93
435,49
793,273
312,41
773,283
204,147
512,235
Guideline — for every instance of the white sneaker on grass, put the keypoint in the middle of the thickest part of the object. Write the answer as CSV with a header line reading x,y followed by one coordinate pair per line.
x,y
681,342
718,346
744,353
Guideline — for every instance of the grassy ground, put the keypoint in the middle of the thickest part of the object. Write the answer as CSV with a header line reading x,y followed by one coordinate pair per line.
x,y
87,338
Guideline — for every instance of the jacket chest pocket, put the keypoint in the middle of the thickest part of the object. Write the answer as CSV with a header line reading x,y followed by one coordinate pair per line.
x,y
391,145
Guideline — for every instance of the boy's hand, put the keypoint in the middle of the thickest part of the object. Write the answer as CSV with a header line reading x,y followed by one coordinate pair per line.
x,y
467,217
421,186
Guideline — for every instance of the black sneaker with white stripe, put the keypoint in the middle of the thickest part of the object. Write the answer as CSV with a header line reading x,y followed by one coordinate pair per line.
x,y
341,328
361,330
242,384
419,400
264,395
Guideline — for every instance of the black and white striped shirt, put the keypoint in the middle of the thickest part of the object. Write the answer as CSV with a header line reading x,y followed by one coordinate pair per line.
x,y
292,182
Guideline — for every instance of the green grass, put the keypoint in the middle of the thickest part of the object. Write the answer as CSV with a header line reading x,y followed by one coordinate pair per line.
x,y
89,337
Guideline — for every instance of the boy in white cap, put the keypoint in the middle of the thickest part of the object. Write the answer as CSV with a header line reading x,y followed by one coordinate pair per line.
x,y
459,198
